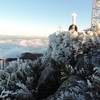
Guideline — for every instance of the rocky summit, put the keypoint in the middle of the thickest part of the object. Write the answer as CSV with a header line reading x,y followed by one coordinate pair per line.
x,y
68,70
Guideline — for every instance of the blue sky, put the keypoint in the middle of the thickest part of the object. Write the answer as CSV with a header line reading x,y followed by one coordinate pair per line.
x,y
42,17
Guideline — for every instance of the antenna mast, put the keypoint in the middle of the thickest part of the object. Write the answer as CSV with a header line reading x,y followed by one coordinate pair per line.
x,y
95,13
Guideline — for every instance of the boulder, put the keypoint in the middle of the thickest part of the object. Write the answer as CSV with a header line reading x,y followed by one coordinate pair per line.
x,y
74,88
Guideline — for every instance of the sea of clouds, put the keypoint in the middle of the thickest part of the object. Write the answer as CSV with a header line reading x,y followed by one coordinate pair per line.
x,y
14,47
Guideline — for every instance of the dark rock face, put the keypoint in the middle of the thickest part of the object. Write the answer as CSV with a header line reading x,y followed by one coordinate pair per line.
x,y
48,82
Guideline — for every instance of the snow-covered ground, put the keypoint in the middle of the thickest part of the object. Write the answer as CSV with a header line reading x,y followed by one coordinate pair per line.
x,y
14,47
